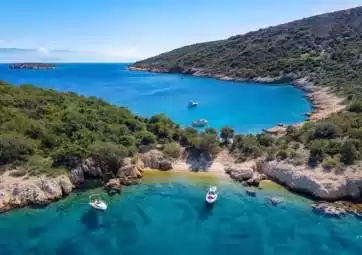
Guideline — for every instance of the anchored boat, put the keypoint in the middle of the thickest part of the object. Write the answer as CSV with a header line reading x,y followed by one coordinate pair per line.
x,y
192,104
96,202
211,195
200,123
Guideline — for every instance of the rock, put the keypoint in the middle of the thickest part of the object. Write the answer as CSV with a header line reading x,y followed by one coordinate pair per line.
x,y
113,186
326,186
77,176
90,168
274,201
128,170
155,159
328,209
65,184
51,188
165,165
250,193
239,173
254,180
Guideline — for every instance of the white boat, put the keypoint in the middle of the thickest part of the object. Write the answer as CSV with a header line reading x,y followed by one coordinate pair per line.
x,y
200,123
211,195
192,104
96,202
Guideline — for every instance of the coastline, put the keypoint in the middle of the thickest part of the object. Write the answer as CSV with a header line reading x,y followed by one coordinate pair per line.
x,y
324,102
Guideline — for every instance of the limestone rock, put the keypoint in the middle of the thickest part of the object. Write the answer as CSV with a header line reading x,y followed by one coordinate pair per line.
x,y
65,184
320,185
113,186
129,170
239,173
91,168
156,160
328,209
77,176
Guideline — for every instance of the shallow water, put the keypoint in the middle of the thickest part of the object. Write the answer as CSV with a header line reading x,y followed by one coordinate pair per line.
x,y
247,107
168,216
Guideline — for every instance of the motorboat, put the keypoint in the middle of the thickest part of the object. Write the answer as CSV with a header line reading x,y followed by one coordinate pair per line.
x,y
97,203
200,123
211,195
192,104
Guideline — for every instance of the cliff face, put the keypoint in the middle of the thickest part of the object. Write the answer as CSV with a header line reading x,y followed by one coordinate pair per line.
x,y
315,182
16,193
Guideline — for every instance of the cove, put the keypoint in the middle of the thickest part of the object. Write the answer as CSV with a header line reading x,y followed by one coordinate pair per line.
x,y
167,215
247,107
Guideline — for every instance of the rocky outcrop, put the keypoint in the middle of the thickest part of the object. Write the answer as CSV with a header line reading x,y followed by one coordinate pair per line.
x,y
328,209
239,173
113,186
36,191
314,182
155,159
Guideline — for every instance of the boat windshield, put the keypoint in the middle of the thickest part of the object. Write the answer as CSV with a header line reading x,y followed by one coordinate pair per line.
x,y
211,192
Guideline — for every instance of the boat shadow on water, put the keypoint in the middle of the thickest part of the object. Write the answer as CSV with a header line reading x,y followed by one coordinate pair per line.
x,y
206,211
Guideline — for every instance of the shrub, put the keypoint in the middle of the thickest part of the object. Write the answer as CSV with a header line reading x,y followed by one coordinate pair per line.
x,y
207,143
355,107
282,154
265,140
226,134
14,147
172,150
326,130
146,138
348,152
108,155
329,163
317,148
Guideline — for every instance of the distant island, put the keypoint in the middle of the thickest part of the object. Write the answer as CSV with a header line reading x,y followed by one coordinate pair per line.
x,y
34,66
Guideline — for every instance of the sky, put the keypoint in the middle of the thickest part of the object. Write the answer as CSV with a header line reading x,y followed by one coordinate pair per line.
x,y
129,30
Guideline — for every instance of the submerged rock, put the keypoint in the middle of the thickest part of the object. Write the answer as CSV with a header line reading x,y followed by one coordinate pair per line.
x,y
113,186
328,209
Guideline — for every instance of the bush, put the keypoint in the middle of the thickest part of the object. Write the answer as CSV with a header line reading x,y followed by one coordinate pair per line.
x,y
172,150
265,140
146,138
226,134
317,148
355,107
326,130
14,147
348,152
207,143
329,163
282,154
108,155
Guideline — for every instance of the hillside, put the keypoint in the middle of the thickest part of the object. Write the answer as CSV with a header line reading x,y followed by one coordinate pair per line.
x,y
325,48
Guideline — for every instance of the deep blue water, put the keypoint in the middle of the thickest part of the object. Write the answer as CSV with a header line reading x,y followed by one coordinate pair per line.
x,y
170,217
247,107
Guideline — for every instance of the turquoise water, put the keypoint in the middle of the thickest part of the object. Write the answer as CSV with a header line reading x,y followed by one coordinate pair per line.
x,y
247,107
170,217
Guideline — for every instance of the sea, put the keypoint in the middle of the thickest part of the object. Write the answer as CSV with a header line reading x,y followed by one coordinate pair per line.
x,y
166,213
247,107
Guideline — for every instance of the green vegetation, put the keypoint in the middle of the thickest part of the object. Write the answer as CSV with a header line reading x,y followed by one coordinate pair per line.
x,y
326,49
45,131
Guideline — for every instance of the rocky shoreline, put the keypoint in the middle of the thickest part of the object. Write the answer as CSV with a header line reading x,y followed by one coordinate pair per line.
x,y
324,102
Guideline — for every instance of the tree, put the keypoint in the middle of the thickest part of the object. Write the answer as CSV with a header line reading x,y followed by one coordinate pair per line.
x,y
14,147
207,143
348,152
172,150
326,130
108,155
146,138
226,134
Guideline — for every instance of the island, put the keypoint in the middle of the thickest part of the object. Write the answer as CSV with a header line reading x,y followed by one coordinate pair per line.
x,y
32,66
